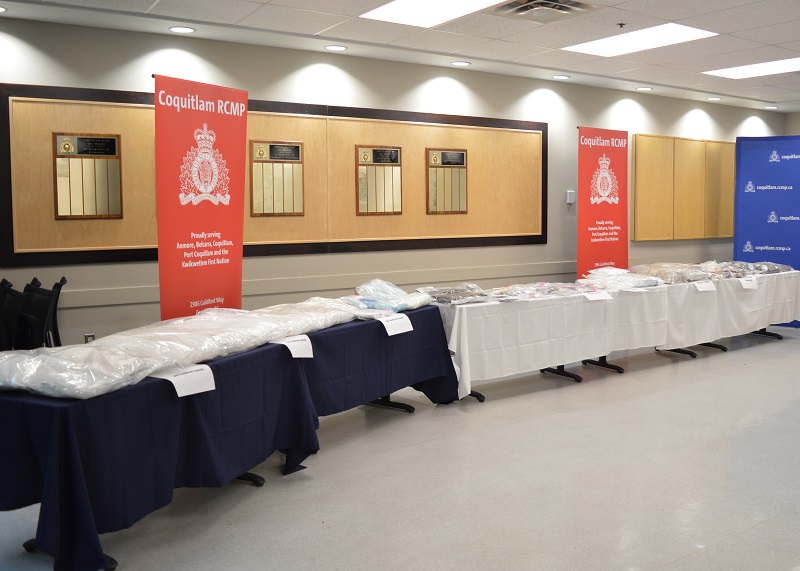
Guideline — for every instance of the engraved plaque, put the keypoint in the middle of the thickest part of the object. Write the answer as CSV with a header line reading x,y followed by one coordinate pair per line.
x,y
276,178
378,180
87,172
447,181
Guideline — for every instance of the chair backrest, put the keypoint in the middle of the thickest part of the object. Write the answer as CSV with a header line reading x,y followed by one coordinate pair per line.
x,y
37,325
10,307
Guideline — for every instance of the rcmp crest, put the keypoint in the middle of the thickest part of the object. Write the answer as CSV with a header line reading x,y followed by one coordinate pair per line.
x,y
772,217
204,174
749,187
748,247
604,183
774,158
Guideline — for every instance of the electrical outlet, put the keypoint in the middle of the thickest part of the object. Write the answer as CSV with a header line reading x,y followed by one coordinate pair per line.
x,y
87,337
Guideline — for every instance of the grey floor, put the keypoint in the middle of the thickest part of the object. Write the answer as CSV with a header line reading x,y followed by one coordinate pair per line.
x,y
679,464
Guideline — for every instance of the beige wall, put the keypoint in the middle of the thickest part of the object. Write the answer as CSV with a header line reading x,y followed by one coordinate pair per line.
x,y
107,298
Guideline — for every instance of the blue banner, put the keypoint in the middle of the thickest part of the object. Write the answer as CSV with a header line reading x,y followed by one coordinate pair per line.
x,y
767,206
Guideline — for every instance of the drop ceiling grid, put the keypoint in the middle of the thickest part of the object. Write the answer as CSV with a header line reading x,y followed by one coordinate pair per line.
x,y
436,41
227,12
283,19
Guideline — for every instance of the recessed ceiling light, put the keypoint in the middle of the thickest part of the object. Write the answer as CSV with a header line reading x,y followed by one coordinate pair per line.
x,y
424,13
771,107
713,98
182,30
758,69
644,89
460,63
640,40
560,77
335,48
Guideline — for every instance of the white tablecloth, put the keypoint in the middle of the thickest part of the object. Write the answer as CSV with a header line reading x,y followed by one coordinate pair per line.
x,y
493,340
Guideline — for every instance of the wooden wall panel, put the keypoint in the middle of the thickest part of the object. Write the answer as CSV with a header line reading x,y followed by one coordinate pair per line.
x,y
653,184
504,195
689,189
313,225
32,123
720,189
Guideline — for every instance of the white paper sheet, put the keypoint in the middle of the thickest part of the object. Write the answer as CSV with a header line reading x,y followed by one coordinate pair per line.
x,y
396,324
188,380
299,345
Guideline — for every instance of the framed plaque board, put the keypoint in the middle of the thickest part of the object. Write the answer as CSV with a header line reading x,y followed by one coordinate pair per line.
x,y
276,178
447,181
379,187
86,171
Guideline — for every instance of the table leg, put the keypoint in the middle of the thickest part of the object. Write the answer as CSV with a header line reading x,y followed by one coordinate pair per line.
x,y
715,346
691,354
764,333
387,402
109,563
251,478
602,362
562,373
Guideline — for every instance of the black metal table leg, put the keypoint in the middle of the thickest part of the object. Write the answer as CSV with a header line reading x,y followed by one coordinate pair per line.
x,y
562,373
715,346
251,478
109,563
691,354
476,395
764,333
387,402
602,362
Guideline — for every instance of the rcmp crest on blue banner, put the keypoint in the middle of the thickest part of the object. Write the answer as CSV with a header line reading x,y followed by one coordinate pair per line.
x,y
766,197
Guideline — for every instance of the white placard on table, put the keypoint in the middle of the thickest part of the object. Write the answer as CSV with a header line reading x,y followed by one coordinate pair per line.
x,y
749,282
395,324
299,345
705,285
597,295
188,380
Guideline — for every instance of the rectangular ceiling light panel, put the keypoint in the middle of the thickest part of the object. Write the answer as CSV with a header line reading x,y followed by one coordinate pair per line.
x,y
758,69
640,40
426,13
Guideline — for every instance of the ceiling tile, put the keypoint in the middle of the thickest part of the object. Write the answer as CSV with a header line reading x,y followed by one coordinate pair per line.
x,y
228,12
585,27
602,66
270,17
488,26
677,9
757,15
782,79
649,73
685,80
139,6
344,7
435,41
765,92
498,49
721,44
555,59
777,34
745,57
364,30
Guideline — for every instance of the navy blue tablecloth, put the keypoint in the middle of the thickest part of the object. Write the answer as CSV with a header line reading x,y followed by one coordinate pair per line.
x,y
357,362
99,465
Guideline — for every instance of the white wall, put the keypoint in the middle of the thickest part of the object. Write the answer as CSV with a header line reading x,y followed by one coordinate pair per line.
x,y
113,297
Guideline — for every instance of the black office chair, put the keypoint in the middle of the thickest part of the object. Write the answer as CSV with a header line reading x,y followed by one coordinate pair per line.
x,y
37,324
10,307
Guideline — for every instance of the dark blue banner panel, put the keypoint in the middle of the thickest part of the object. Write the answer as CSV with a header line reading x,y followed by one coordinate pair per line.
x,y
767,207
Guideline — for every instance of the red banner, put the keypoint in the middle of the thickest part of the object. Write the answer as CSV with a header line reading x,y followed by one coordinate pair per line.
x,y
602,199
201,140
